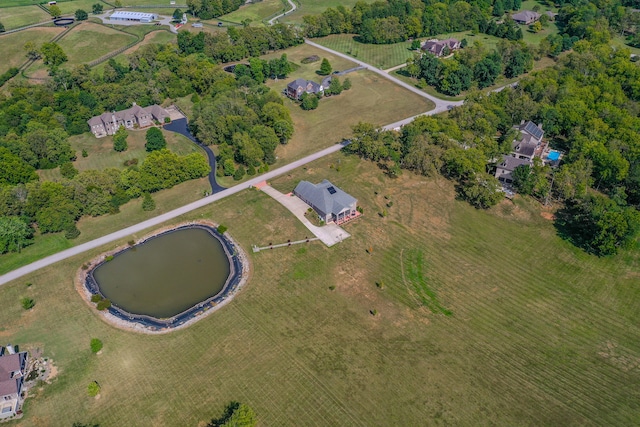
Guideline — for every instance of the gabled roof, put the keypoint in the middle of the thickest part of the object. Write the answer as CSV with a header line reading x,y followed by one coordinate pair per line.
x,y
126,14
325,196
298,83
533,130
509,163
9,364
525,16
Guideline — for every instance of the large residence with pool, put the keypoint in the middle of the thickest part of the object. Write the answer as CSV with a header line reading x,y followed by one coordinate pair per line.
x,y
134,117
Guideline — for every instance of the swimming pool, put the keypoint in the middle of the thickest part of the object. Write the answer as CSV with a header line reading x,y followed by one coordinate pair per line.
x,y
553,155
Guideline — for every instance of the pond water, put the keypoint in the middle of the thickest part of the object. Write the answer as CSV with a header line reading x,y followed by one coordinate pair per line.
x,y
167,274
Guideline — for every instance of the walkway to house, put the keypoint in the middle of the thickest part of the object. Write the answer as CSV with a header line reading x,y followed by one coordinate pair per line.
x,y
330,234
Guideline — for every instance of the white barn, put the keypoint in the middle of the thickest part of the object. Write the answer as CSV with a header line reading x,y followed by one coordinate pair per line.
x,y
125,15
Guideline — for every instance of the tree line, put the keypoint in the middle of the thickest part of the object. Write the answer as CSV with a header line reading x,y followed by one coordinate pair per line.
x,y
207,9
588,107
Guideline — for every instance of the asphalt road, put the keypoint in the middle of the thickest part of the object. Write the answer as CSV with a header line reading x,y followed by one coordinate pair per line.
x,y
293,7
125,232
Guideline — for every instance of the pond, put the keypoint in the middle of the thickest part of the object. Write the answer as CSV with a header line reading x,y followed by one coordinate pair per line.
x,y
169,275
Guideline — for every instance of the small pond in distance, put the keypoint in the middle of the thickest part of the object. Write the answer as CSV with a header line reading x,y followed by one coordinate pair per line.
x,y
167,274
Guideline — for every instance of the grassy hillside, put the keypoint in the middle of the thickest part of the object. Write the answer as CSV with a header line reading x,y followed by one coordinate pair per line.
x,y
11,45
538,332
16,17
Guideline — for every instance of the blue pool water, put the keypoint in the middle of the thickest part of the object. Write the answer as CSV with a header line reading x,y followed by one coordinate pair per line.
x,y
553,155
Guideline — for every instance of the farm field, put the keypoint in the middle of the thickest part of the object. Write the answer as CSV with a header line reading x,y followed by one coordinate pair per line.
x,y
101,154
86,42
256,12
16,17
553,341
314,7
11,45
379,55
70,7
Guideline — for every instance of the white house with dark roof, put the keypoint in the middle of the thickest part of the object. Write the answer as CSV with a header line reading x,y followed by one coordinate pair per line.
x,y
526,17
330,203
13,370
437,47
127,15
108,123
296,88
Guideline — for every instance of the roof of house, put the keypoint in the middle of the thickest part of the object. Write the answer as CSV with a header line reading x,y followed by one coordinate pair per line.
x,y
324,196
525,16
8,365
126,14
532,129
509,163
298,83
128,114
437,46
526,148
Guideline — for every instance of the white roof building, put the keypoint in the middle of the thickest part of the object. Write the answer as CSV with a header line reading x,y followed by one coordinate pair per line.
x,y
125,15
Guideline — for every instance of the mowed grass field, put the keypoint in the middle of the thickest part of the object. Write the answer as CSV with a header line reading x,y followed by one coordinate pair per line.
x,y
101,154
256,12
89,41
539,333
314,7
379,55
11,45
16,17
70,7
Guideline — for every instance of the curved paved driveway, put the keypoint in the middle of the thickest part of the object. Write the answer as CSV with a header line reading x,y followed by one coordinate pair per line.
x,y
441,104
293,7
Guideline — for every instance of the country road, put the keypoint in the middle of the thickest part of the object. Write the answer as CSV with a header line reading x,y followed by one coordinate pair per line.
x,y
293,8
441,106
125,232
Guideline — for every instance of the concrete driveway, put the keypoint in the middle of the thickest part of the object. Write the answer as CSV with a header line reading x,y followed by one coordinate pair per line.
x,y
330,234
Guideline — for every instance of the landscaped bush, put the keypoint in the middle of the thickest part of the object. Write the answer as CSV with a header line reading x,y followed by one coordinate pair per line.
x,y
221,229
27,303
96,345
93,389
71,232
108,258
96,298
103,304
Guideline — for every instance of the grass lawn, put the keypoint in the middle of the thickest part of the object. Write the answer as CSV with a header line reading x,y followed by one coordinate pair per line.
x,y
379,55
101,154
552,339
11,46
620,42
256,12
88,41
179,4
314,7
70,7
16,17
372,99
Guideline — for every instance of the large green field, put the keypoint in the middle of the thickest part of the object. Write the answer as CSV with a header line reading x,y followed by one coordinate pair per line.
x,y
539,333
313,7
379,55
256,12
11,45
89,41
16,17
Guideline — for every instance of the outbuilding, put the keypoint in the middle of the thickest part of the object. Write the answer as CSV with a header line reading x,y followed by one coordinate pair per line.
x,y
125,15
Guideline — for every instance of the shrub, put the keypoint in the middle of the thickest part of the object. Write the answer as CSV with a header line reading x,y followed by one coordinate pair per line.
x,y
373,312
131,242
167,120
332,287
96,345
310,59
359,209
93,389
27,303
239,173
67,170
71,232
108,258
221,229
103,304
380,284
148,204
28,284
84,153
131,162
95,298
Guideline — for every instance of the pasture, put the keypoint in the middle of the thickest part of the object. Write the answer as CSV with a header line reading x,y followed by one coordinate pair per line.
x,y
86,42
11,45
549,340
256,12
16,17
379,55
70,7
314,7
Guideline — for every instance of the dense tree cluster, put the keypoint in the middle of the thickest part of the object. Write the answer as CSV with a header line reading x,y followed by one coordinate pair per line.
x,y
473,64
261,69
239,43
588,105
207,9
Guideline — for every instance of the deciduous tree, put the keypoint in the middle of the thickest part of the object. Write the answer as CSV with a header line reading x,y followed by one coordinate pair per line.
x,y
155,140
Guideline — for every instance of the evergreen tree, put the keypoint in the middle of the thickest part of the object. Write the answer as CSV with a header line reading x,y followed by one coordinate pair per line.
x,y
325,67
517,4
97,8
346,85
148,204
498,8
